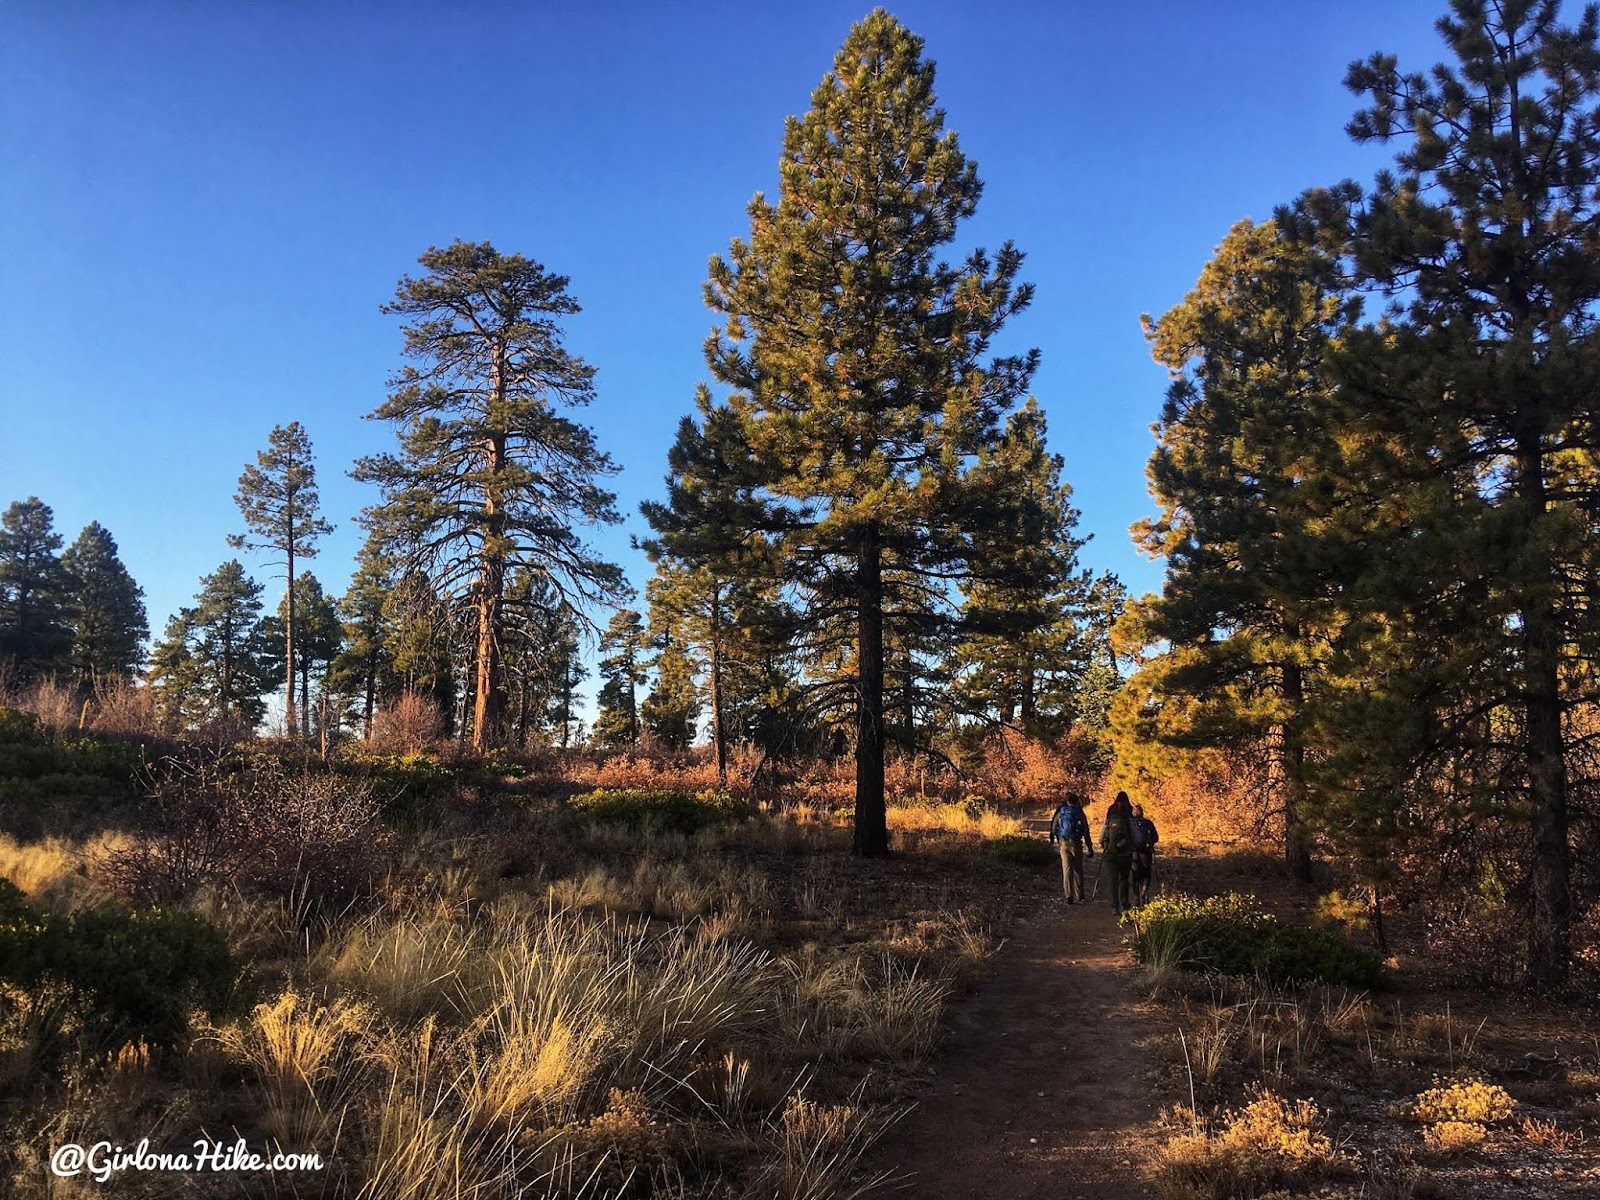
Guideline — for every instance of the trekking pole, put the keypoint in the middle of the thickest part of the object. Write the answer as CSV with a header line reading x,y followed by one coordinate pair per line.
x,y
1099,869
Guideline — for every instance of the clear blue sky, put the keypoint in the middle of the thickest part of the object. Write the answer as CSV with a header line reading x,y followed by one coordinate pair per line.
x,y
202,206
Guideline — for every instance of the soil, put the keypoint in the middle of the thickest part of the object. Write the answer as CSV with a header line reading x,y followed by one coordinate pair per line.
x,y
1039,1091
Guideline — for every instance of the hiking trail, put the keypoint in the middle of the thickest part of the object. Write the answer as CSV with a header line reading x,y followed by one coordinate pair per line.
x,y
1039,1090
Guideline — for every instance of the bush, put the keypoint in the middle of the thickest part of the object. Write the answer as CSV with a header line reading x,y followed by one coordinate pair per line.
x,y
36,767
126,975
1230,935
670,811
1028,851
1269,1143
283,832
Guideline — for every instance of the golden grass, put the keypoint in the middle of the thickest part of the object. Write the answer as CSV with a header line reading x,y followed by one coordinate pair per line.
x,y
307,1058
53,870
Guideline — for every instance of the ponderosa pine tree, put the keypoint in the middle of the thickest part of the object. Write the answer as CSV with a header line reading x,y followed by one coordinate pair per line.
x,y
417,640
490,474
1244,472
859,361
711,554
279,501
319,636
1024,652
1487,239
35,593
215,661
624,670
109,626
672,707
362,665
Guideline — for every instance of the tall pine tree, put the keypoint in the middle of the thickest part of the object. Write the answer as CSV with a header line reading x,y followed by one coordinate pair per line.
x,y
490,473
1245,472
35,593
1486,237
109,626
279,501
859,361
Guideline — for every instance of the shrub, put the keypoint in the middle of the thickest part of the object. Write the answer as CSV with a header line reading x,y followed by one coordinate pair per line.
x,y
1454,1137
126,975
1270,1143
1463,1100
1230,935
670,811
263,827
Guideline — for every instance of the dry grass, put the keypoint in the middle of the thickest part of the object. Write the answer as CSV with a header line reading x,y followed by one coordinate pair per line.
x,y
55,871
307,1059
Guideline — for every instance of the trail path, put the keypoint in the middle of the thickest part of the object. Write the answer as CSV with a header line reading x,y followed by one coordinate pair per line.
x,y
1039,1090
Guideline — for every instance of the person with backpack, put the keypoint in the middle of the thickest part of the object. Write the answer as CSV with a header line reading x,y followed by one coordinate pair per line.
x,y
1116,844
1069,830
1145,837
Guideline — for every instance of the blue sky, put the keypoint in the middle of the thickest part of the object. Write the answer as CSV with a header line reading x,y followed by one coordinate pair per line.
x,y
204,205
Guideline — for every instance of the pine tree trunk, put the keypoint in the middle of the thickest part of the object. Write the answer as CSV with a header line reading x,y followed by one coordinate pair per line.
x,y
305,695
288,640
1549,936
1296,844
371,700
489,698
718,742
871,819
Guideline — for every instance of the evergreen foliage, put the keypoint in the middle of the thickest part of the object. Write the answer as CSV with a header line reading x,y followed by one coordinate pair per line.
x,y
279,500
859,363
109,626
623,670
216,659
489,473
35,593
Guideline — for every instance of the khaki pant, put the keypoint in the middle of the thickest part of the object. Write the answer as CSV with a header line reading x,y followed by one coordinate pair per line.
x,y
1071,870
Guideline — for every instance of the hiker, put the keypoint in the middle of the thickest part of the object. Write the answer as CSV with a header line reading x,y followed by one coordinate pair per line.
x,y
1145,837
1116,843
1069,830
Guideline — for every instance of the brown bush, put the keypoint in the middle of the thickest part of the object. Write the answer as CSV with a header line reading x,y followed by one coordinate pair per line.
x,y
267,828
413,724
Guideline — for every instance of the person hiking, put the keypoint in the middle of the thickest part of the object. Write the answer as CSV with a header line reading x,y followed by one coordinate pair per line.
x,y
1116,843
1069,830
1145,837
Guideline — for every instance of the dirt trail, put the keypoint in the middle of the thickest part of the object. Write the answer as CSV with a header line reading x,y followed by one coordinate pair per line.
x,y
1034,1097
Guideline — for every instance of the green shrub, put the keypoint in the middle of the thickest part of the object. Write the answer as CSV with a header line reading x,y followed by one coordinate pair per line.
x,y
126,975
1231,935
78,767
403,783
674,811
1028,851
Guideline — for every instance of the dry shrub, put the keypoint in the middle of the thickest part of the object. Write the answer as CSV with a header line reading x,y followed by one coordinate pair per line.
x,y
650,769
1209,799
410,726
1270,1143
1550,1137
1453,1137
125,710
818,1149
311,834
56,705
